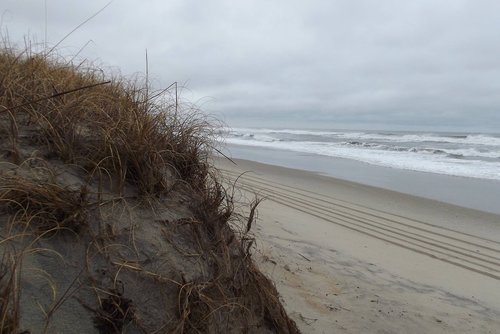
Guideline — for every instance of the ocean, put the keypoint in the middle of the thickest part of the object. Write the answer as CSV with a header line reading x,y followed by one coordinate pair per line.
x,y
456,168
471,155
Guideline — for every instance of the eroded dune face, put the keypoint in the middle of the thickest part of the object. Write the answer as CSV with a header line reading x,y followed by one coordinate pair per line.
x,y
112,219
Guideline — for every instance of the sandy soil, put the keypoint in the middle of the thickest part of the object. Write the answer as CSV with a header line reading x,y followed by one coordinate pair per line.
x,y
357,259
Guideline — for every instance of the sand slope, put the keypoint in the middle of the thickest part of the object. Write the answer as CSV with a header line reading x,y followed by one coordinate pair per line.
x,y
351,258
112,220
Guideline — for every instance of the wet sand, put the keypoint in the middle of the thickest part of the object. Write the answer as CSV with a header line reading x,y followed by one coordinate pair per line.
x,y
352,258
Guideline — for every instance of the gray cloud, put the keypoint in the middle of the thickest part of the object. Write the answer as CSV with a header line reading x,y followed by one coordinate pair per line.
x,y
317,63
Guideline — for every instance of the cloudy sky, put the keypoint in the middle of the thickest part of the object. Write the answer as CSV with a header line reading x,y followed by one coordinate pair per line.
x,y
422,64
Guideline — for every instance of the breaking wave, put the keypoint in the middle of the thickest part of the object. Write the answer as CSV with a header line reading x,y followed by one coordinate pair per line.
x,y
468,155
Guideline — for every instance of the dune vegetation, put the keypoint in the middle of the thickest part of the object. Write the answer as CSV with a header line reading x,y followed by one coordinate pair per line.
x,y
112,218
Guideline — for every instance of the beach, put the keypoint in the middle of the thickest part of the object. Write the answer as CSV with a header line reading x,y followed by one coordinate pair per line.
x,y
350,257
250,167
459,168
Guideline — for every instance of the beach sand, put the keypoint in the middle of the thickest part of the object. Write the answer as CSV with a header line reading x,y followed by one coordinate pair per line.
x,y
351,258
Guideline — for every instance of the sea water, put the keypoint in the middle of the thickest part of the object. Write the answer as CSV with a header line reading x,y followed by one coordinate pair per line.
x,y
472,155
457,168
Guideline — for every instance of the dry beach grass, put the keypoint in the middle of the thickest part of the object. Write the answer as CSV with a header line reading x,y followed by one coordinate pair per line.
x,y
112,218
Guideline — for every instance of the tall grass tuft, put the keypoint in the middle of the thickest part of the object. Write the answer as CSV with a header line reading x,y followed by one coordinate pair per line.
x,y
9,295
109,125
43,205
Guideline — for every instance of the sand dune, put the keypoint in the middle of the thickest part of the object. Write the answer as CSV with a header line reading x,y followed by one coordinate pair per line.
x,y
361,259
111,218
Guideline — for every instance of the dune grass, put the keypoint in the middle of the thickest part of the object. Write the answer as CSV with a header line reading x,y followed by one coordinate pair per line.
x,y
123,142
9,295
111,126
44,205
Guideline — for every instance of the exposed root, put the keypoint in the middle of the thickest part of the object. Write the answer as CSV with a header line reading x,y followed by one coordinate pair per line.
x,y
114,312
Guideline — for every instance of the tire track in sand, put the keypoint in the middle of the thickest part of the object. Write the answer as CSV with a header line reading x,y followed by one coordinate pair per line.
x,y
465,250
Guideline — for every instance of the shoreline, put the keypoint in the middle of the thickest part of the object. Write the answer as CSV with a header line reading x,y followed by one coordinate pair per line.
x,y
363,259
473,193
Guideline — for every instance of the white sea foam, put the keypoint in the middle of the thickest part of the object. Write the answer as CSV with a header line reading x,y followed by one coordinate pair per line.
x,y
472,152
285,131
470,139
465,155
431,138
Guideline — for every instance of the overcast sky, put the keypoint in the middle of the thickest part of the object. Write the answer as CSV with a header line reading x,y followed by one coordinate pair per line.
x,y
422,64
